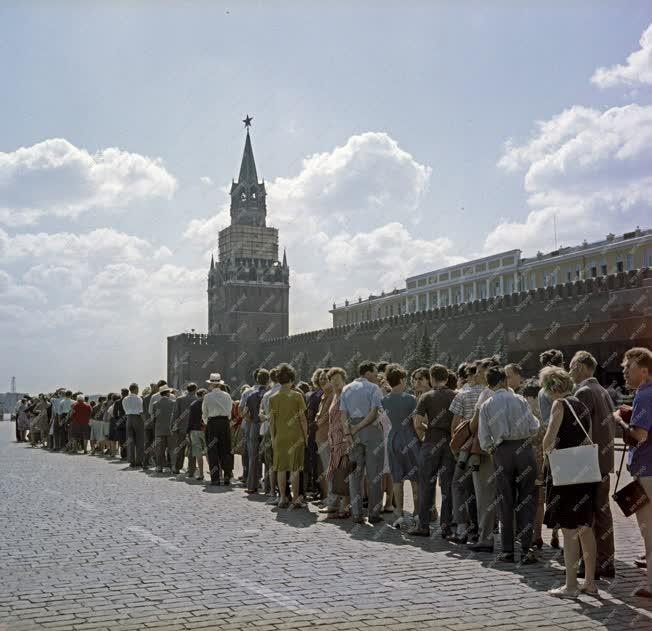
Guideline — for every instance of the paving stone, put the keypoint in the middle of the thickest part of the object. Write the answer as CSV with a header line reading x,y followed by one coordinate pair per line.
x,y
144,552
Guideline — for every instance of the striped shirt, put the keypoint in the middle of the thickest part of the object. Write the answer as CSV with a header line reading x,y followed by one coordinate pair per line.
x,y
465,400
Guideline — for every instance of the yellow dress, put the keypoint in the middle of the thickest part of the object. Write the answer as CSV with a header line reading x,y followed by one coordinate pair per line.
x,y
289,443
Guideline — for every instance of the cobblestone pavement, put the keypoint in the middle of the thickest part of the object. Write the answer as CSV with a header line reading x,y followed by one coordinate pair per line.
x,y
89,544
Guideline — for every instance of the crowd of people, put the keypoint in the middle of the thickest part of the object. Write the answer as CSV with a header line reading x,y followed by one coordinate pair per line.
x,y
480,434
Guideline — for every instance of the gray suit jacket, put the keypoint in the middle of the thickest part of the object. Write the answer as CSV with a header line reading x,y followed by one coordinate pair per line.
x,y
162,413
181,412
597,399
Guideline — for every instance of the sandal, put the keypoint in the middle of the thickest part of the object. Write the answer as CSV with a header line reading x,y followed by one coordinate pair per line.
x,y
563,592
283,504
589,592
298,504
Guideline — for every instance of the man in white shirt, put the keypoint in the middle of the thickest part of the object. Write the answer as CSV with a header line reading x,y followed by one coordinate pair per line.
x,y
61,427
216,413
506,428
133,407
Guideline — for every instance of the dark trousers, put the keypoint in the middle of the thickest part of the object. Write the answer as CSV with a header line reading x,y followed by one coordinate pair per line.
x,y
516,474
311,472
135,438
178,443
149,452
218,444
246,425
436,460
60,434
255,468
603,526
162,446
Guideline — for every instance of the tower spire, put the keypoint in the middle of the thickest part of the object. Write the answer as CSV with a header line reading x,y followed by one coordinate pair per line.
x,y
248,174
285,259
212,262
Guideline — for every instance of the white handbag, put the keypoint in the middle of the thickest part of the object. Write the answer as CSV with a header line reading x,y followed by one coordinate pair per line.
x,y
575,465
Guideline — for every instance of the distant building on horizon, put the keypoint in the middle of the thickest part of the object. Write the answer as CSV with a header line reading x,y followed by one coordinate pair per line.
x,y
502,274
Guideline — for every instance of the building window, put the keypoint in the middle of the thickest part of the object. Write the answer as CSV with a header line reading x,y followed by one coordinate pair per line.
x,y
619,264
630,262
603,267
578,272
594,269
533,280
648,258
545,279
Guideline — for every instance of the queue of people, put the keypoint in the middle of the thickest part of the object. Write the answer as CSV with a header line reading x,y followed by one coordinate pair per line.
x,y
480,434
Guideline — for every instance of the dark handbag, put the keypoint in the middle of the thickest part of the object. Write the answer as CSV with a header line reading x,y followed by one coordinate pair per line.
x,y
631,497
340,481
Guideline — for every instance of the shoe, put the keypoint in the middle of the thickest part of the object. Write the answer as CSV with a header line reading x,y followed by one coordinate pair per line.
x,y
446,532
273,500
434,515
529,558
417,531
538,544
159,469
458,539
375,519
283,503
562,592
506,557
480,547
227,481
133,465
640,563
643,592
593,591
215,482
327,509
175,471
358,520
554,542
199,476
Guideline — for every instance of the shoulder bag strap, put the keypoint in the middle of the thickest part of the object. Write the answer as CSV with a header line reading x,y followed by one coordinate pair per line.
x,y
577,419
620,468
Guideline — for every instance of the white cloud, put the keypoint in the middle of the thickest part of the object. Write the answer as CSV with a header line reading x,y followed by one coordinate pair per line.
x,y
99,245
205,180
589,169
636,71
106,298
54,177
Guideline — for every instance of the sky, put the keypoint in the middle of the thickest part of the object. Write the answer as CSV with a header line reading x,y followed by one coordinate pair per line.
x,y
394,138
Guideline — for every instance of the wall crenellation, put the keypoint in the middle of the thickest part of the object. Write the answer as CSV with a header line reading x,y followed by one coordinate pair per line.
x,y
532,298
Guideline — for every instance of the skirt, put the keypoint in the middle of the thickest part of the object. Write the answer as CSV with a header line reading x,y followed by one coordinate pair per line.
x,y
99,429
118,429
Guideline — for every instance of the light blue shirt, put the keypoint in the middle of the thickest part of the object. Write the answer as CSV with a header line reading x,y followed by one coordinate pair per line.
x,y
65,405
360,397
505,416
